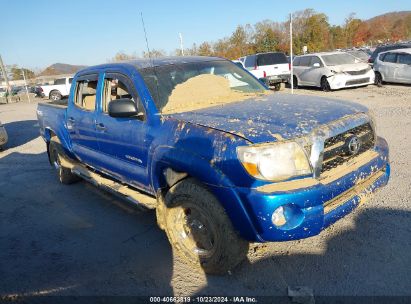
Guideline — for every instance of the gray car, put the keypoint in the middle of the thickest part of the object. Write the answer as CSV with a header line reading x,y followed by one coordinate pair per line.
x,y
393,66
3,136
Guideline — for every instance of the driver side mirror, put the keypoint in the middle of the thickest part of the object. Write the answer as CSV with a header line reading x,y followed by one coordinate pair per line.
x,y
123,107
316,65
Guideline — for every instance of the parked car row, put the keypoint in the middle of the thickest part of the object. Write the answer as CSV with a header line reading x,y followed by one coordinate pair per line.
x,y
3,136
333,70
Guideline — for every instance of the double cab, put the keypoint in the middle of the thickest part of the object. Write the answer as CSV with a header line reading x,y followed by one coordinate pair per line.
x,y
223,160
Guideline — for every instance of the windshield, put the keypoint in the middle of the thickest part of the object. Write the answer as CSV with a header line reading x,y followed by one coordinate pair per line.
x,y
359,54
191,86
337,59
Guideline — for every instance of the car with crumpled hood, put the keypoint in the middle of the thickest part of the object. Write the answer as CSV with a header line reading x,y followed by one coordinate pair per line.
x,y
331,71
223,160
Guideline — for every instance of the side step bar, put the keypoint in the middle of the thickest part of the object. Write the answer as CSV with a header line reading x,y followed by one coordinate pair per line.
x,y
118,189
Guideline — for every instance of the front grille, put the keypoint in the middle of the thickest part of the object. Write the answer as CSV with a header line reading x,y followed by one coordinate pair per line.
x,y
336,150
358,81
360,72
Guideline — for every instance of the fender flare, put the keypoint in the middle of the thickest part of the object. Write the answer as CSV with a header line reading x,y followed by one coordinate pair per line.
x,y
189,164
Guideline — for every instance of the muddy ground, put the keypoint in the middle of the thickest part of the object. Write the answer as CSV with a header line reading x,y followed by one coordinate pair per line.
x,y
78,240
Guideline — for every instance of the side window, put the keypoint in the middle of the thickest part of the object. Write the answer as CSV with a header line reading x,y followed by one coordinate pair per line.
x,y
117,87
296,61
315,59
70,80
60,81
382,56
249,61
404,58
85,97
305,61
390,57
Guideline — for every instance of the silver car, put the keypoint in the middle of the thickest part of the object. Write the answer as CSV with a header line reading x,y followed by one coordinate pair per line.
x,y
3,136
331,71
393,66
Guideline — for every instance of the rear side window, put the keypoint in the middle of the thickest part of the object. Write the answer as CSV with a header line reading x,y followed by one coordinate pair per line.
x,y
271,59
60,81
305,61
249,61
404,58
86,90
296,61
315,59
390,57
70,80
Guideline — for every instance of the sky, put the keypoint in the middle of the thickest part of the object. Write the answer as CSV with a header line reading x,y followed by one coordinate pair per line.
x,y
37,33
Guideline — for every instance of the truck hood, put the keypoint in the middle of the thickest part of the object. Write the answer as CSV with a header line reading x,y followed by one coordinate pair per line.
x,y
272,118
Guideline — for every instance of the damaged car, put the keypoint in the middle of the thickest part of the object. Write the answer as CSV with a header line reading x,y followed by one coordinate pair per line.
x,y
223,160
331,71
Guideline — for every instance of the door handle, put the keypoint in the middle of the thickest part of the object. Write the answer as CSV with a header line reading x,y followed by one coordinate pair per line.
x,y
70,123
100,126
71,120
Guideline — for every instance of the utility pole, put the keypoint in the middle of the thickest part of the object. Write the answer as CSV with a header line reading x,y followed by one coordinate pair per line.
x,y
181,44
291,54
6,79
25,85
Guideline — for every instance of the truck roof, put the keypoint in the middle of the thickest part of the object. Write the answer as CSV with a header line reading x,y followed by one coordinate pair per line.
x,y
142,63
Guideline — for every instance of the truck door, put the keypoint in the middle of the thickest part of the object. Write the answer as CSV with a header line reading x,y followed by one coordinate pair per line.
x,y
123,142
81,118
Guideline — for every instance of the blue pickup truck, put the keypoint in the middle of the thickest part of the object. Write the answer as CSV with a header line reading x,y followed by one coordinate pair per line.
x,y
223,160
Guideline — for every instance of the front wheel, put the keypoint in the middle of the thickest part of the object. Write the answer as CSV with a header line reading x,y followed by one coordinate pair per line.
x,y
64,174
378,79
278,86
199,229
325,86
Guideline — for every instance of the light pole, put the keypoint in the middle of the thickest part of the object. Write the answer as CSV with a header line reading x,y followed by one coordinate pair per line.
x,y
181,44
291,54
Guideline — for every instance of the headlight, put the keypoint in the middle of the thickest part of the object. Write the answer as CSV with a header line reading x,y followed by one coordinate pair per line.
x,y
373,121
274,162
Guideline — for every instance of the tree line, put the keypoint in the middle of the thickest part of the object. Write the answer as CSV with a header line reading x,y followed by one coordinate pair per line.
x,y
310,28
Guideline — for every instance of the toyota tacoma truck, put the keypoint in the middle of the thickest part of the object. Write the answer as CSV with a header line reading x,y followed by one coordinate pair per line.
x,y
223,160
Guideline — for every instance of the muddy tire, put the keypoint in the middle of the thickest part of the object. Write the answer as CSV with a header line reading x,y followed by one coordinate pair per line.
x,y
55,95
378,79
325,86
64,174
199,229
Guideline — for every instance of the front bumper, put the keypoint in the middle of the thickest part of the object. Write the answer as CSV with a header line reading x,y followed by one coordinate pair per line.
x,y
3,136
339,81
316,204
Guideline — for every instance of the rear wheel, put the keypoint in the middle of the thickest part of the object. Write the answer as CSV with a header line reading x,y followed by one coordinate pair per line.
x,y
199,229
295,82
325,86
378,79
64,174
278,86
55,95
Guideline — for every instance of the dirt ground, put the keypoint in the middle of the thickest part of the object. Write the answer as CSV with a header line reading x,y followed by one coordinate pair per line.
x,y
78,240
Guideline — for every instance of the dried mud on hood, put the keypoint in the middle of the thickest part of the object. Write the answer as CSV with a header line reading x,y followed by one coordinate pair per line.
x,y
204,91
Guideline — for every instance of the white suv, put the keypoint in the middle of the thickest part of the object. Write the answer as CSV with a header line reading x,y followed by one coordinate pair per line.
x,y
331,71
393,66
272,67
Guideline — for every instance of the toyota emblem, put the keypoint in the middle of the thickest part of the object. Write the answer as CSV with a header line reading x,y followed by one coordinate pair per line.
x,y
354,145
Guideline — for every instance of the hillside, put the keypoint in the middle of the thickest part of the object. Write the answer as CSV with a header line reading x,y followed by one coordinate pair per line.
x,y
61,68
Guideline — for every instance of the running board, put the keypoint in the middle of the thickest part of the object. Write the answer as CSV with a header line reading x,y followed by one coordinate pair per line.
x,y
118,189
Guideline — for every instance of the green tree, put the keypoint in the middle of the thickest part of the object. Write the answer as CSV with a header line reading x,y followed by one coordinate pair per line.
x,y
17,73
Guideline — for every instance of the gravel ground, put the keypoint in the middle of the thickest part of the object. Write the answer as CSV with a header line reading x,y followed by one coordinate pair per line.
x,y
78,240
